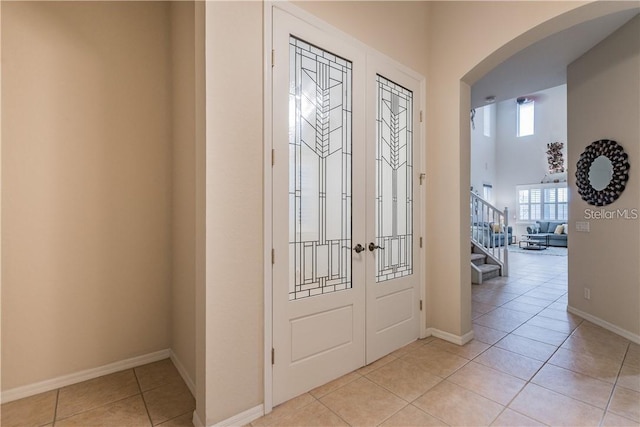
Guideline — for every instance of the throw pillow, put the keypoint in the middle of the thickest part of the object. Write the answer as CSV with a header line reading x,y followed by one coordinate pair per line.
x,y
565,230
495,228
559,229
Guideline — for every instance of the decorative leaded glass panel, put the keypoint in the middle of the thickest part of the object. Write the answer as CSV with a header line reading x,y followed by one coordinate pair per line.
x,y
319,171
394,183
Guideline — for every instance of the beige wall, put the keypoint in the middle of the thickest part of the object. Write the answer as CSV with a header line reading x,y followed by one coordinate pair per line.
x,y
448,42
0,199
86,186
87,168
183,178
200,213
604,103
396,28
234,243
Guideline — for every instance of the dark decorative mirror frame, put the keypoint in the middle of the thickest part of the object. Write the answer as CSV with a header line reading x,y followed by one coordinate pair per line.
x,y
619,160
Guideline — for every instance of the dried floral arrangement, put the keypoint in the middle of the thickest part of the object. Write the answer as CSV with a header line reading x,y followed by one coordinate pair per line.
x,y
554,157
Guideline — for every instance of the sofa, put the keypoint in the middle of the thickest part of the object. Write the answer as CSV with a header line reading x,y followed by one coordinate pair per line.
x,y
490,234
543,229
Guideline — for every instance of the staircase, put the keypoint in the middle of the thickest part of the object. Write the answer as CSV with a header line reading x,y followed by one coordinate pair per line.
x,y
482,270
489,253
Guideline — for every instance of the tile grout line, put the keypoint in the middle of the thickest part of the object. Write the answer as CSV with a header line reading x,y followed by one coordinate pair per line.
x,y
55,409
504,407
97,407
144,402
409,403
615,384
331,410
529,381
605,410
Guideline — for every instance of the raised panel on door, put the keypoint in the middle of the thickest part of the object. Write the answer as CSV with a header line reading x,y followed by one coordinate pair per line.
x,y
318,190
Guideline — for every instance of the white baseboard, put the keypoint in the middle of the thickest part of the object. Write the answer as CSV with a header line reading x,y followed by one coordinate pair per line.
x,y
197,422
88,374
183,373
606,325
243,418
455,339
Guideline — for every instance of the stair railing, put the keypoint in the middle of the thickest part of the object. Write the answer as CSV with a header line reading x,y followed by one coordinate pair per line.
x,y
489,231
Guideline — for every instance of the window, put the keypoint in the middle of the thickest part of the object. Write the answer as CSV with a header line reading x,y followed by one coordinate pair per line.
x,y
529,206
525,116
487,192
487,121
548,203
555,203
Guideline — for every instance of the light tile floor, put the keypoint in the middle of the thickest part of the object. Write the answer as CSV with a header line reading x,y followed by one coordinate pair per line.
x,y
531,363
152,394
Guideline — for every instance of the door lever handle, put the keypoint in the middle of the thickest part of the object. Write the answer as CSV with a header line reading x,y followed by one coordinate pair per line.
x,y
359,248
373,246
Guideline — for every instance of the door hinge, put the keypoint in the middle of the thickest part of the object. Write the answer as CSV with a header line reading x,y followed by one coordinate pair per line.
x,y
423,176
273,256
420,116
273,59
421,242
273,356
273,156
420,305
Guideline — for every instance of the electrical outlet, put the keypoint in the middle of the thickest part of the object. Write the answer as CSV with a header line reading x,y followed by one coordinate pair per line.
x,y
583,226
587,293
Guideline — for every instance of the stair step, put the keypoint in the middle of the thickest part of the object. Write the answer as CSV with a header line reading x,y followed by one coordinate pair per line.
x,y
488,267
478,259
489,271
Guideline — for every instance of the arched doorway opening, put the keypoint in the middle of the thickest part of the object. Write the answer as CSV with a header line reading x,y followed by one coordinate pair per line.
x,y
553,29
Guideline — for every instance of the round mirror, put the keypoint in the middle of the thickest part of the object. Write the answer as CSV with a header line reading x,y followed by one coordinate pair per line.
x,y
600,173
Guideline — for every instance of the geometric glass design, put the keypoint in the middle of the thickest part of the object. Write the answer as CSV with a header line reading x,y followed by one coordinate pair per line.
x,y
319,171
394,183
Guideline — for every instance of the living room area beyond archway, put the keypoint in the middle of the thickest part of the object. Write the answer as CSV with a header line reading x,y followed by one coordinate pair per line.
x,y
528,128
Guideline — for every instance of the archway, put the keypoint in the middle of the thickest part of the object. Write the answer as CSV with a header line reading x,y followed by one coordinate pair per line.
x,y
563,21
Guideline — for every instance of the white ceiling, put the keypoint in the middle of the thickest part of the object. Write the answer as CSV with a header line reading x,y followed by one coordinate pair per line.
x,y
544,64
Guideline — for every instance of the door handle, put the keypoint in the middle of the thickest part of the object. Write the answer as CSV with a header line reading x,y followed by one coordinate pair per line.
x,y
359,248
373,246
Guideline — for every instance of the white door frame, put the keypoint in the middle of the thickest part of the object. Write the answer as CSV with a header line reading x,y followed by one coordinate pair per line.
x,y
267,172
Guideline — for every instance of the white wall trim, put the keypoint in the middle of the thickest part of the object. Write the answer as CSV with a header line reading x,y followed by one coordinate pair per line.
x,y
88,374
183,372
423,208
267,214
606,325
243,418
455,339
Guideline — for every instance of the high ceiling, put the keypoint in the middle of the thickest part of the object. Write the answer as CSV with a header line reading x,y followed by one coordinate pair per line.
x,y
544,64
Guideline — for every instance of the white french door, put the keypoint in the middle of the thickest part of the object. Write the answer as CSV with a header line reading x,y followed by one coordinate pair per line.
x,y
344,195
393,203
318,188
